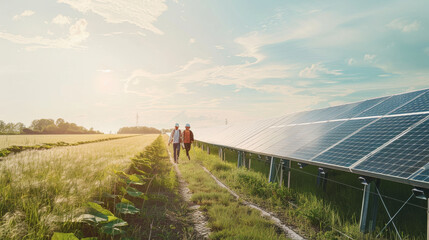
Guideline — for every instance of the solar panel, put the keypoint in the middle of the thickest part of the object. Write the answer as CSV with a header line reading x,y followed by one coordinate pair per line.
x,y
323,114
390,104
402,157
422,177
420,104
387,137
366,140
321,143
297,136
362,106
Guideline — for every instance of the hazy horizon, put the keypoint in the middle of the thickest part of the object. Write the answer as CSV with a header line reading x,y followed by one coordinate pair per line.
x,y
99,63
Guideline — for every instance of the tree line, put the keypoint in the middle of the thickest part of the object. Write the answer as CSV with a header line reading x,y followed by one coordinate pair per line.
x,y
138,130
45,126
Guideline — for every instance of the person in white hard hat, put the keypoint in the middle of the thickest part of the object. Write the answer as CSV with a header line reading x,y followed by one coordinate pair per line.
x,y
176,139
188,138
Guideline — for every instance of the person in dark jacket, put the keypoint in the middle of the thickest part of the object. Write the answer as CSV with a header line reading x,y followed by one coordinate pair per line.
x,y
188,139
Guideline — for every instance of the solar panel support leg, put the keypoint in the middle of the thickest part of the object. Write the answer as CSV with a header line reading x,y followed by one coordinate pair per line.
x,y
272,170
208,149
369,210
281,173
288,174
238,159
250,161
364,210
224,155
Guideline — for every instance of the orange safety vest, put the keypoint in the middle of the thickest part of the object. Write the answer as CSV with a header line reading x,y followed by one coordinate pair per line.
x,y
187,136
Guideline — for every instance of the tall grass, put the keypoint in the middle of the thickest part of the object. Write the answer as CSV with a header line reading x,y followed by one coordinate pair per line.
x,y
31,140
44,191
227,218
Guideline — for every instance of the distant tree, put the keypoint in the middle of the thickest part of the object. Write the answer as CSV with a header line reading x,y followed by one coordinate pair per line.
x,y
19,127
139,130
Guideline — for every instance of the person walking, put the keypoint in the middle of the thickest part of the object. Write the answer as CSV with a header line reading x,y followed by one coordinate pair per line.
x,y
176,139
188,139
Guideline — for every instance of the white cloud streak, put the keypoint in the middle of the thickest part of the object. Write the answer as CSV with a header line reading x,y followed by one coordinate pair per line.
x,y
61,20
315,70
77,35
142,13
404,25
26,13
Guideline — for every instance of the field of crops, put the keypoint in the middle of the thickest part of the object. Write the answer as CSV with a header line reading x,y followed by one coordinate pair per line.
x,y
41,191
30,140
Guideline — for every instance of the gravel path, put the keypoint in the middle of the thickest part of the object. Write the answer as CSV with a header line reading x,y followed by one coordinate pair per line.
x,y
288,231
200,221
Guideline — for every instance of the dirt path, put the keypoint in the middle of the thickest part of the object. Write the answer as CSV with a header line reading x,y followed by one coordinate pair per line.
x,y
198,218
288,232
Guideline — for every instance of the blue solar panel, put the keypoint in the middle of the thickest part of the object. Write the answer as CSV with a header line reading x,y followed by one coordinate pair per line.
x,y
362,106
366,140
316,146
402,157
420,104
323,114
295,137
422,177
390,104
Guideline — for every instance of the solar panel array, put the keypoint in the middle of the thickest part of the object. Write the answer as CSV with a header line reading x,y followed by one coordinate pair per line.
x,y
386,137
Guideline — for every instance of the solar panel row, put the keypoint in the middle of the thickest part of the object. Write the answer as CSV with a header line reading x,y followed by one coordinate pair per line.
x,y
387,136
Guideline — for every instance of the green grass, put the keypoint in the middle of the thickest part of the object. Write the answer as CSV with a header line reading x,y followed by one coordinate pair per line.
x,y
228,219
43,191
318,210
31,140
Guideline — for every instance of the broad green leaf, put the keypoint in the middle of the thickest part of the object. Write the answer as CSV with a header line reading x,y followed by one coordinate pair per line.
x,y
124,200
89,238
100,209
92,218
108,195
113,228
126,208
134,192
64,236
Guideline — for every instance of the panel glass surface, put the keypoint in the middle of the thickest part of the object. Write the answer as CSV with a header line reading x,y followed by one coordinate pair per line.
x,y
422,177
402,157
366,140
321,143
323,114
390,104
420,104
267,135
296,137
362,106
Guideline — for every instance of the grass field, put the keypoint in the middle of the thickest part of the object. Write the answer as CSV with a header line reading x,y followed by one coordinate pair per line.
x,y
31,140
43,191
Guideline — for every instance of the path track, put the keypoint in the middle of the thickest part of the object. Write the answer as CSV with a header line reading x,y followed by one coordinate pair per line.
x,y
288,231
198,218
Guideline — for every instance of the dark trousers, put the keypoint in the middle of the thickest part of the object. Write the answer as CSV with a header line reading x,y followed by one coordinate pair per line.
x,y
176,150
187,147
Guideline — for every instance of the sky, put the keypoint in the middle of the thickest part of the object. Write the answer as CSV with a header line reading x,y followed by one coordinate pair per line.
x,y
99,63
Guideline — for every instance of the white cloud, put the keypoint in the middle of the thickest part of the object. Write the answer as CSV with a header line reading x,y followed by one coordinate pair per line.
x,y
61,20
351,61
315,70
219,47
26,13
192,40
142,13
369,58
77,35
404,25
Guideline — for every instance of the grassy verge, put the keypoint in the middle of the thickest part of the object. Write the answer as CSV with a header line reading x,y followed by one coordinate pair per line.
x,y
313,217
43,191
17,149
228,219
163,214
